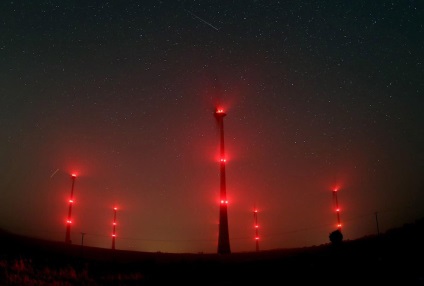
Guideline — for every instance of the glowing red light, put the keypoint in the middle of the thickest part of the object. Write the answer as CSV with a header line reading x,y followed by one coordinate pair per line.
x,y
68,221
220,110
224,202
74,175
113,235
114,223
257,238
223,160
256,226
71,201
115,208
337,210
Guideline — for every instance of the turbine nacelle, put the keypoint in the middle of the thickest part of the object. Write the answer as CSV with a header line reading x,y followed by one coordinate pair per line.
x,y
219,112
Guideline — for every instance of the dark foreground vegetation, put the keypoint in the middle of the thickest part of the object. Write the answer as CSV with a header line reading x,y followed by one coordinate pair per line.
x,y
393,258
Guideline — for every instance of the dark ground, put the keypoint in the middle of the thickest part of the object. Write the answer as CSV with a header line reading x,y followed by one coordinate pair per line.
x,y
395,258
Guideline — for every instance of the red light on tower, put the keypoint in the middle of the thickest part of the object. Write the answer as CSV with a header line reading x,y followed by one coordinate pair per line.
x,y
69,220
114,227
336,208
223,237
255,218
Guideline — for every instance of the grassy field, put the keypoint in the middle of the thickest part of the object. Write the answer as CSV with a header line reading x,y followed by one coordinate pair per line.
x,y
395,257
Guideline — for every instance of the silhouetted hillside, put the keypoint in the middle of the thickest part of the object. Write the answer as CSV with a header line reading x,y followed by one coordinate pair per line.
x,y
392,257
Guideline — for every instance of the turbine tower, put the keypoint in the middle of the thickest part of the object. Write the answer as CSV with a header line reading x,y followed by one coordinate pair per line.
x,y
114,228
223,238
255,217
69,220
337,209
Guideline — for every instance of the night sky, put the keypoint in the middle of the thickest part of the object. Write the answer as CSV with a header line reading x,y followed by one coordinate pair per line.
x,y
318,95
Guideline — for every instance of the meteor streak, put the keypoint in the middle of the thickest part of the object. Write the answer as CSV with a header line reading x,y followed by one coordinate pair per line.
x,y
51,176
197,17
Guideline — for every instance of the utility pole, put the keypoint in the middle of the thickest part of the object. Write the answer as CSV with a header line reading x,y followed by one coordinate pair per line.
x,y
82,239
82,243
376,220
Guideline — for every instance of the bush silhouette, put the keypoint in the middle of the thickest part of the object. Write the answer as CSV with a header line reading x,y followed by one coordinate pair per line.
x,y
336,237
